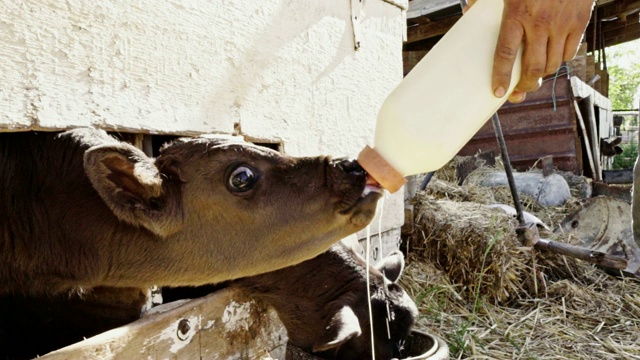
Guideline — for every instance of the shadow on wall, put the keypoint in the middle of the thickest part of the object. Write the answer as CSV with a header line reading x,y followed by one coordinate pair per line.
x,y
249,67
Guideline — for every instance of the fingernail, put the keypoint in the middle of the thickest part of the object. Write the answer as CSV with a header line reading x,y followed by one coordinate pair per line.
x,y
499,92
518,96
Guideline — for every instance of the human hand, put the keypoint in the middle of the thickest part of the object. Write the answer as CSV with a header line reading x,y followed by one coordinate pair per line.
x,y
551,31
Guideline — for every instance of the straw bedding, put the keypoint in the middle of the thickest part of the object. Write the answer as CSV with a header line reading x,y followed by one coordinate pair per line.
x,y
489,297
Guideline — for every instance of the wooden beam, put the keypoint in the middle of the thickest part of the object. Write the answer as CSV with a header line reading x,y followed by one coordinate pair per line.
x,y
615,33
410,59
619,28
419,8
618,25
623,38
431,29
424,45
603,2
619,8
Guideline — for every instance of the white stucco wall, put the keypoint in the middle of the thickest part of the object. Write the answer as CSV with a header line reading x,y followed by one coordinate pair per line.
x,y
275,70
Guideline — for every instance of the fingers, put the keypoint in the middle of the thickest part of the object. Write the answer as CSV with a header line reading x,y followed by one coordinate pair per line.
x,y
517,97
550,31
581,18
509,40
555,55
571,46
534,61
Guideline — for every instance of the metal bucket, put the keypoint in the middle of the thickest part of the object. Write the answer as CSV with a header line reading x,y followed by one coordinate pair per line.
x,y
421,345
418,346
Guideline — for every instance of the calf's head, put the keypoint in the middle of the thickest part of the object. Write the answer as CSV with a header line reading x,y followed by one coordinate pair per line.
x,y
393,314
324,306
230,209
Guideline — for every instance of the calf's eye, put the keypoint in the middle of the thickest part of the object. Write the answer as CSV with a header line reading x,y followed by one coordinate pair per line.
x,y
242,179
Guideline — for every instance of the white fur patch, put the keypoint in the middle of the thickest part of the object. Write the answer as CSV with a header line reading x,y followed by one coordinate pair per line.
x,y
349,325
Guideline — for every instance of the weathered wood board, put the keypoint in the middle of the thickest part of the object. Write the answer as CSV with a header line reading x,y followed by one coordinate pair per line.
x,y
223,325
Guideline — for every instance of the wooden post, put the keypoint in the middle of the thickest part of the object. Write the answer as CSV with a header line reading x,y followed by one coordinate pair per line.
x,y
594,133
585,137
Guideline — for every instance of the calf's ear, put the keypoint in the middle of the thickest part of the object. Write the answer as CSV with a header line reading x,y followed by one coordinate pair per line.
x,y
343,326
132,187
392,266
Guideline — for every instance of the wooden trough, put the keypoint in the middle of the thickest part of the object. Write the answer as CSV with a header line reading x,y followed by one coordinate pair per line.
x,y
223,325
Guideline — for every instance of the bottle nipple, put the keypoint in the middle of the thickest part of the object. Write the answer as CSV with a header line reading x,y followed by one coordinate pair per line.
x,y
380,170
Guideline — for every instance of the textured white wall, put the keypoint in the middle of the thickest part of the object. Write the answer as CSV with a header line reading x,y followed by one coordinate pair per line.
x,y
276,70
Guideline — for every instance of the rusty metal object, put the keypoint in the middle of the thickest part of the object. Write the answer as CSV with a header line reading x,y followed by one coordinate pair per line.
x,y
183,329
617,191
528,232
530,237
534,129
604,224
504,154
547,165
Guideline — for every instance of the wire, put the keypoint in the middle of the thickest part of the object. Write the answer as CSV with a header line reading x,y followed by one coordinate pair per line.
x,y
553,87
426,180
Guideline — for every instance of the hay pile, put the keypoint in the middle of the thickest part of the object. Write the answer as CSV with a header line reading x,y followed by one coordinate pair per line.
x,y
489,297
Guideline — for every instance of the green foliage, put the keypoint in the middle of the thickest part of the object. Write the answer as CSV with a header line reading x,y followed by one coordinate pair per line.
x,y
624,75
630,121
627,159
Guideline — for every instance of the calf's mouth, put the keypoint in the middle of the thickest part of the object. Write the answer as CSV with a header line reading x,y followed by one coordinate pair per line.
x,y
352,184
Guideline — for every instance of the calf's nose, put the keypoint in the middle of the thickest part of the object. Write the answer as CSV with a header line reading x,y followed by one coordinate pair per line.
x,y
350,166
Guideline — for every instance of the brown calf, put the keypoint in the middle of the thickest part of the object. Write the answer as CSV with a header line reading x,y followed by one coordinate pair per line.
x,y
81,209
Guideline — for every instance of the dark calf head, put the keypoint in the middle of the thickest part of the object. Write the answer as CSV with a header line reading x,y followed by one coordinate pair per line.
x,y
394,314
323,304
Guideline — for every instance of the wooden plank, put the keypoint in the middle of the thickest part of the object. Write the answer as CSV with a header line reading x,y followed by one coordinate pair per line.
x,y
591,68
603,87
618,27
431,29
578,64
615,33
628,34
593,133
223,325
419,8
604,2
581,90
619,9
585,138
424,45
411,59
